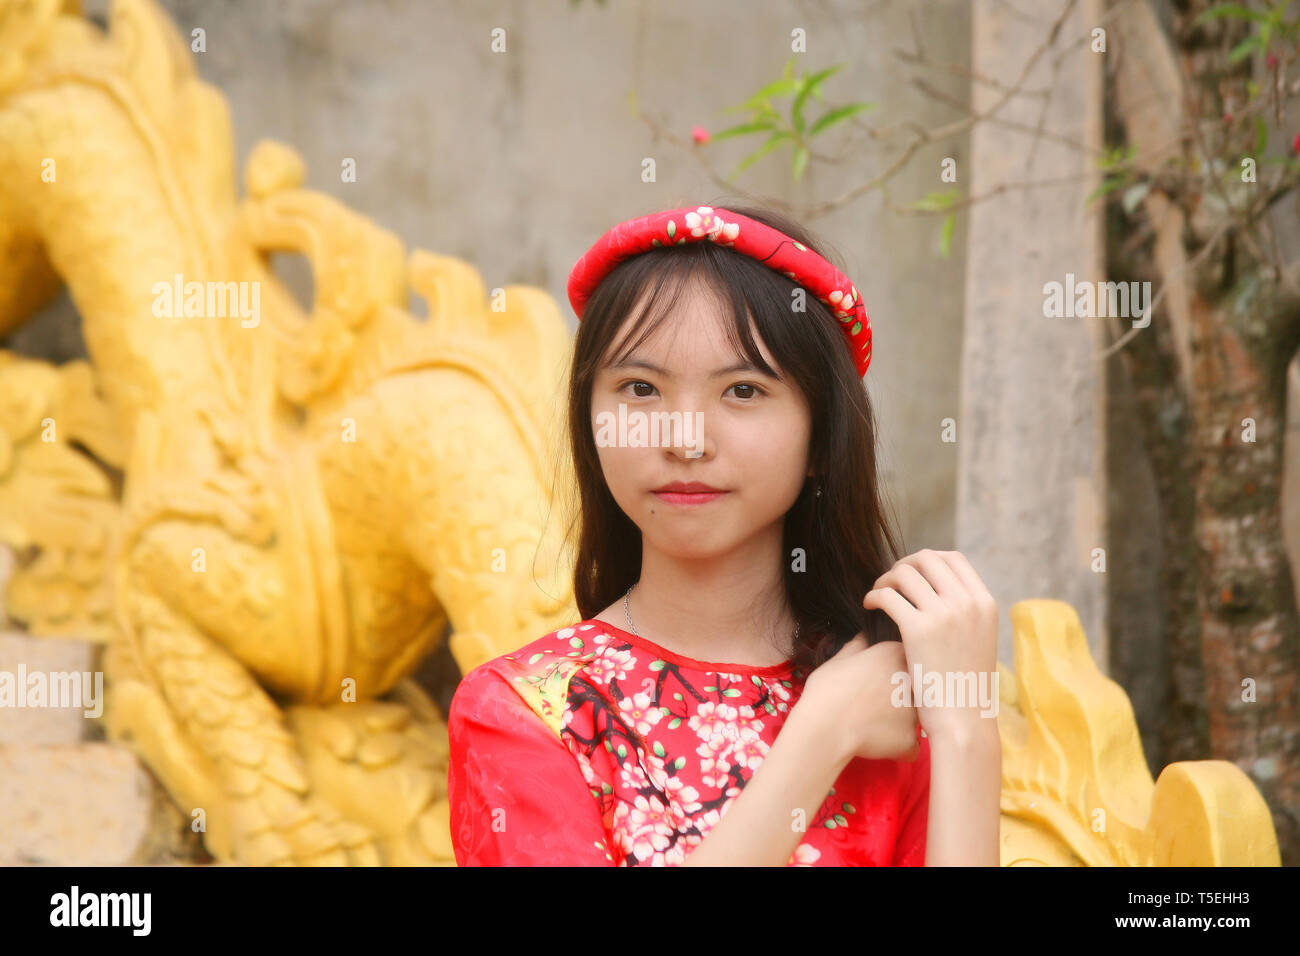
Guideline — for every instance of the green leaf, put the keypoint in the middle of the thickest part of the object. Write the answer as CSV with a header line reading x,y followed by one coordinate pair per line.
x,y
937,202
945,241
1225,11
659,749
799,162
657,665
776,140
742,130
1242,49
731,692
810,85
782,87
1116,157
764,113
838,115
816,80
1261,136
1108,185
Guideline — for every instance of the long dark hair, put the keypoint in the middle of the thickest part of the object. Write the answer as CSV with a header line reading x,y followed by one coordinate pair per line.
x,y
845,536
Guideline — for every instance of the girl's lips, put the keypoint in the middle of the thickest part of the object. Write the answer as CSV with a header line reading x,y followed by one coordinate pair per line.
x,y
688,498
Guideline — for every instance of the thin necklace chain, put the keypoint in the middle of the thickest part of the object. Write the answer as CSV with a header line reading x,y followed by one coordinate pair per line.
x,y
632,627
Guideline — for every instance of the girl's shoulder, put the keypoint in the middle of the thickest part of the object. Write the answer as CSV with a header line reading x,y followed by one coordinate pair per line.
x,y
539,655
538,674
574,645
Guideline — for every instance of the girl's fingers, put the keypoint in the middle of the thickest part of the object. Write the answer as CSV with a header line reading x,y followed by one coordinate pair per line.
x,y
939,573
964,570
911,583
891,602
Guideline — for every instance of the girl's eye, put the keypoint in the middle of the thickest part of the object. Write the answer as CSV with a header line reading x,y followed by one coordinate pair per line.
x,y
753,390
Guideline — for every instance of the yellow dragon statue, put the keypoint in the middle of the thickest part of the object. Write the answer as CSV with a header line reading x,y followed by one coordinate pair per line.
x,y
308,499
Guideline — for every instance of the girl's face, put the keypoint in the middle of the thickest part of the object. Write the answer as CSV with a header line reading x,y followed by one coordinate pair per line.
x,y
752,445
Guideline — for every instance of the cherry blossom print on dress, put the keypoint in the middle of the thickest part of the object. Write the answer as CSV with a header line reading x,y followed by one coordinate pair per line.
x,y
655,728
661,744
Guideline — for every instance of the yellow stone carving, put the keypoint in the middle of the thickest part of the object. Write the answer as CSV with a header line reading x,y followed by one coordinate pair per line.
x,y
1076,790
308,498
271,518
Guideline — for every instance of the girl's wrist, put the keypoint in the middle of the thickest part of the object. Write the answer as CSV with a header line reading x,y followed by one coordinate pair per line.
x,y
821,730
964,732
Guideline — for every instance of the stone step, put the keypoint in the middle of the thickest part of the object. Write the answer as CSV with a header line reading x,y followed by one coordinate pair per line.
x,y
86,804
27,661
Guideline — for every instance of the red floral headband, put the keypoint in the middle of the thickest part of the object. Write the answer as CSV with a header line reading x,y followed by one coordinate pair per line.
x,y
747,236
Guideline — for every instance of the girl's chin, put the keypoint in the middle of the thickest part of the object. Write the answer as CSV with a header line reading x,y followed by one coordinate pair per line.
x,y
691,545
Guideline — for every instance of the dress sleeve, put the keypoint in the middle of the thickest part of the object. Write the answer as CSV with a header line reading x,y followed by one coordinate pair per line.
x,y
516,794
915,812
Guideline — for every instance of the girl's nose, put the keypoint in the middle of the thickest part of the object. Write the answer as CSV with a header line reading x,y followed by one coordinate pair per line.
x,y
693,442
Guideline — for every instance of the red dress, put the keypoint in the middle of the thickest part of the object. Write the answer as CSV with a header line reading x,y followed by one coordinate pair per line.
x,y
595,747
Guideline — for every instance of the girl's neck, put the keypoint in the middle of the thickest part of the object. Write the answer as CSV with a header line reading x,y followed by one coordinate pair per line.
x,y
731,608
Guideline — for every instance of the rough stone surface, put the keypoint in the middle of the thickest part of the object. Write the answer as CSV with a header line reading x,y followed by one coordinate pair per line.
x,y
1031,477
85,804
49,655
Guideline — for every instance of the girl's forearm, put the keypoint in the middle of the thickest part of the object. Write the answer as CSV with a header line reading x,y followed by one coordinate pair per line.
x,y
965,797
798,772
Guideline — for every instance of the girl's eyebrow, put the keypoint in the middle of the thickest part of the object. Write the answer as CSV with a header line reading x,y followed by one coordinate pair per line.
x,y
745,366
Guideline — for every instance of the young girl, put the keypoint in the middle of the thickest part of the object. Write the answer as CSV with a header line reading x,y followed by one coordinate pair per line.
x,y
735,692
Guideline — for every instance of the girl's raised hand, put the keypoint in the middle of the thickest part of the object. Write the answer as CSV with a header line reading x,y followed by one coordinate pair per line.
x,y
949,624
851,696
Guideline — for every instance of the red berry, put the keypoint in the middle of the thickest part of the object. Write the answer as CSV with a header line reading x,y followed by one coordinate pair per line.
x,y
700,134
1295,144
1270,61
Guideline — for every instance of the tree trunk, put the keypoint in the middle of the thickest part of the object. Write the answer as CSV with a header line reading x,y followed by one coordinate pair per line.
x,y
1212,378
1250,635
1164,421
